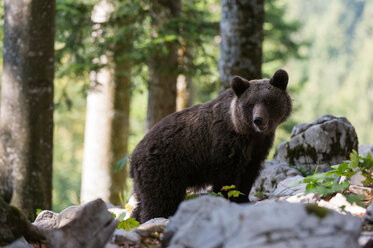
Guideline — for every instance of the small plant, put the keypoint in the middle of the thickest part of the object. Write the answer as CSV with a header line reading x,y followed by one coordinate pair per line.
x,y
127,224
120,164
230,192
38,211
327,183
260,195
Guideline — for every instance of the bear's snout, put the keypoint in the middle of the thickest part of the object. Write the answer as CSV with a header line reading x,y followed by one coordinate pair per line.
x,y
260,118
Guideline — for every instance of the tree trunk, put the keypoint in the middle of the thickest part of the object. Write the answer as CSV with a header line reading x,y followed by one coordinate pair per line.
x,y
241,29
107,124
163,64
184,92
26,123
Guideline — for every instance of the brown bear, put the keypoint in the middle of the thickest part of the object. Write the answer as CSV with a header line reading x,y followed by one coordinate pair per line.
x,y
221,142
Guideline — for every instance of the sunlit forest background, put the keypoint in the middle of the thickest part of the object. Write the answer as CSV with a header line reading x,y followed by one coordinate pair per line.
x,y
328,54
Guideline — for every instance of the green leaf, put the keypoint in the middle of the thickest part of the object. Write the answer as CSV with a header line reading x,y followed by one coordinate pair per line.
x,y
120,164
354,156
221,195
226,188
38,211
353,198
128,224
234,193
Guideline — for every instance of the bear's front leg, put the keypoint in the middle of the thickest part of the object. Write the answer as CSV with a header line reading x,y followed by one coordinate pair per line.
x,y
245,183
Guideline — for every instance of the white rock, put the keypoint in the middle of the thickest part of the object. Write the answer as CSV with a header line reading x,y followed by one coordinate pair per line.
x,y
151,226
289,187
365,149
369,213
268,225
310,198
273,172
191,211
121,236
46,220
366,239
111,245
324,142
87,225
340,204
19,243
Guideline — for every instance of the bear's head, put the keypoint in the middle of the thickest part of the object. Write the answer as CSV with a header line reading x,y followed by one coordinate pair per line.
x,y
260,105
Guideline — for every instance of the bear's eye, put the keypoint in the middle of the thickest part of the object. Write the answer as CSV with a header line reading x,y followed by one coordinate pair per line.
x,y
249,106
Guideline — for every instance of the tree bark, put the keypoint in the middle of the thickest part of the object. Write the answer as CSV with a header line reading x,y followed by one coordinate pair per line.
x,y
107,124
184,92
163,64
241,30
26,123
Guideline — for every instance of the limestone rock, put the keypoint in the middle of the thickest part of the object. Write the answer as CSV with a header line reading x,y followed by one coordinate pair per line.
x,y
365,149
290,187
121,236
19,243
46,220
272,173
324,142
310,198
88,225
144,230
369,213
192,213
340,204
366,240
214,222
151,226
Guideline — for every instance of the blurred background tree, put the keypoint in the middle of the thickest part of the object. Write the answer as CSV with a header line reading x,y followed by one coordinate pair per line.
x,y
26,124
241,32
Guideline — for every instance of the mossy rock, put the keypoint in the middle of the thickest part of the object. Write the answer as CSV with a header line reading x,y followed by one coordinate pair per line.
x,y
316,210
13,224
320,144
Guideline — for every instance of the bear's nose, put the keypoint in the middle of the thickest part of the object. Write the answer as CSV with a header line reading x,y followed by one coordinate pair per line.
x,y
258,121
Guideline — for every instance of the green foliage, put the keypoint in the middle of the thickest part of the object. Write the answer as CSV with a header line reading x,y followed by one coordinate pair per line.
x,y
190,196
354,198
74,52
38,211
279,44
336,74
326,184
120,164
128,224
228,192
260,195
305,172
316,210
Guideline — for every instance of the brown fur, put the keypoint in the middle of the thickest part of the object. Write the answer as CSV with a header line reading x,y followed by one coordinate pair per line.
x,y
215,143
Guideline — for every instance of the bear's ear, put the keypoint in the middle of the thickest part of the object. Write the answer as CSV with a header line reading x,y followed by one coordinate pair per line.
x,y
280,79
239,85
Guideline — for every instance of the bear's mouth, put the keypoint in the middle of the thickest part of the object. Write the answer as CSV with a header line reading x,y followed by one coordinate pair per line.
x,y
261,128
260,125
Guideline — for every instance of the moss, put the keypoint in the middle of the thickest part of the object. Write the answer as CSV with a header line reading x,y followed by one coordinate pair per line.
x,y
335,148
20,226
300,151
316,210
273,183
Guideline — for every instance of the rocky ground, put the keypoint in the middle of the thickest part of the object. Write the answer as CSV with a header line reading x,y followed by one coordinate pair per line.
x,y
280,213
